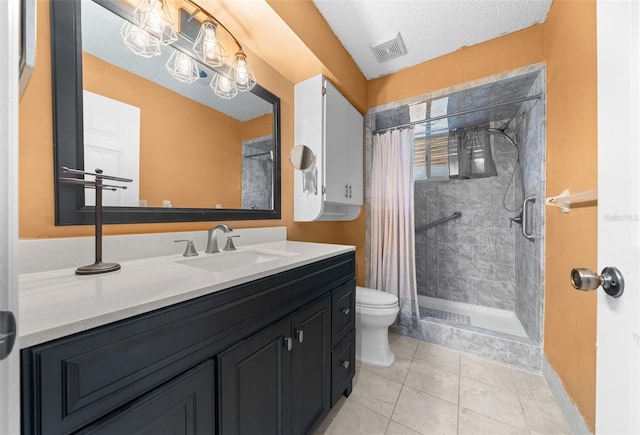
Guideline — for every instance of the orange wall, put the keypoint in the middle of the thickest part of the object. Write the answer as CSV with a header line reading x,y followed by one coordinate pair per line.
x,y
187,179
36,207
257,127
570,315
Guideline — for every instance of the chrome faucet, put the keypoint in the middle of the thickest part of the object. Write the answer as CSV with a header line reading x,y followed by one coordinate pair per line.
x,y
212,241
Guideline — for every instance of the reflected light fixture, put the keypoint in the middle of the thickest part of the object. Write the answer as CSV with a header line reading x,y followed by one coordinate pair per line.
x,y
207,47
183,67
153,17
139,41
224,86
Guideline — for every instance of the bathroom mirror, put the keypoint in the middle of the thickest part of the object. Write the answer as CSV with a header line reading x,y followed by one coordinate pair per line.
x,y
302,157
199,155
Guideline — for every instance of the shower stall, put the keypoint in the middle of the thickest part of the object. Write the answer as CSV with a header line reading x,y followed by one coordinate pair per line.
x,y
257,173
479,241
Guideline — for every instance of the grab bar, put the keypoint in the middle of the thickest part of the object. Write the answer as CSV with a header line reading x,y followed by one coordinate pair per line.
x,y
456,215
526,231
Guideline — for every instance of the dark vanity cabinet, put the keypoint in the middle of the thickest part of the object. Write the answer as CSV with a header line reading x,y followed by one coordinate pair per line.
x,y
181,406
269,356
278,380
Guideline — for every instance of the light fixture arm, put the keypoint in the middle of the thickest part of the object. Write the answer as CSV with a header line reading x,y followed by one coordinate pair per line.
x,y
211,17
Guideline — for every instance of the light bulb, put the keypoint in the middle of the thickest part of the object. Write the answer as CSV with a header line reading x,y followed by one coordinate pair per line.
x,y
210,42
183,64
242,77
182,67
224,86
155,25
153,17
207,46
242,73
139,41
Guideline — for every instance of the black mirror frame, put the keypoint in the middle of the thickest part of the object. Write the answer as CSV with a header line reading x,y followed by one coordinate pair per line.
x,y
68,138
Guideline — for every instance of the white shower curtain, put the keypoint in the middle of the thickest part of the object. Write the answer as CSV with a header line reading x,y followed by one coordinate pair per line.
x,y
392,262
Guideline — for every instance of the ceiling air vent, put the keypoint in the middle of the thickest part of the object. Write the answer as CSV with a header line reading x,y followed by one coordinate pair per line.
x,y
389,49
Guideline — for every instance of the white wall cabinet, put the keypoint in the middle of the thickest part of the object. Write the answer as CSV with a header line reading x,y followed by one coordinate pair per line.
x,y
327,123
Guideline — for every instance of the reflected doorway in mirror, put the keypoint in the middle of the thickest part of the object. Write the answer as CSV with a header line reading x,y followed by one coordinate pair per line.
x,y
112,142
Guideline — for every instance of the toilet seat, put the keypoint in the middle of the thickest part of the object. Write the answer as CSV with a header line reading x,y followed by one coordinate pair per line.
x,y
370,298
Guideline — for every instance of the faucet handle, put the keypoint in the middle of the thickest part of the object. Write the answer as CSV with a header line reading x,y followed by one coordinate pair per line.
x,y
229,246
190,250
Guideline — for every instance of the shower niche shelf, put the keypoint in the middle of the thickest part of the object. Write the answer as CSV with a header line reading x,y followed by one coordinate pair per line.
x,y
332,129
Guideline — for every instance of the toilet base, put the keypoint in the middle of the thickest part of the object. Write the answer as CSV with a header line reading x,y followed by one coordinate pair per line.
x,y
372,347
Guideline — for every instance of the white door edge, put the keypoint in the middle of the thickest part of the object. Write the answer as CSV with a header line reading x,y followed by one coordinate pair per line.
x,y
9,100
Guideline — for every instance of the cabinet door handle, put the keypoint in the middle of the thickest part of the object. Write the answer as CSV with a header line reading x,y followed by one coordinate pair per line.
x,y
346,191
345,311
299,335
349,191
288,342
345,364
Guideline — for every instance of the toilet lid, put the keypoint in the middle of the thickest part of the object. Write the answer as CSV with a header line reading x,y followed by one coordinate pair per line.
x,y
367,297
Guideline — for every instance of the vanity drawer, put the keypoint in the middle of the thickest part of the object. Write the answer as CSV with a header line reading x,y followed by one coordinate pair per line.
x,y
343,309
343,367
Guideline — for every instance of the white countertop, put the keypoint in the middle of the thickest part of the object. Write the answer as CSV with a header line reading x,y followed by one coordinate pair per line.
x,y
59,303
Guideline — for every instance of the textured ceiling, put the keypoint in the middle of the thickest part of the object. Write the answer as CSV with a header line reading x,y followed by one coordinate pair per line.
x,y
429,28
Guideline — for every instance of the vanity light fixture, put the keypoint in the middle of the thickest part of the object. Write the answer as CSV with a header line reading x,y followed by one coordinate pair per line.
x,y
153,27
208,47
139,41
182,67
224,86
153,17
242,72
239,77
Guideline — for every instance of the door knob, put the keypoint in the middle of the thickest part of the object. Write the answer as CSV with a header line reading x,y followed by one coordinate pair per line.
x,y
610,279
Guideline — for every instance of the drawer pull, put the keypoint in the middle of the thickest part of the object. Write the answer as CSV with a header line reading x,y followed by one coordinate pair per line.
x,y
345,364
300,335
345,311
288,342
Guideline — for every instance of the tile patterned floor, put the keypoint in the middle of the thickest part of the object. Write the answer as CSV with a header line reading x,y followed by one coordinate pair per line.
x,y
435,390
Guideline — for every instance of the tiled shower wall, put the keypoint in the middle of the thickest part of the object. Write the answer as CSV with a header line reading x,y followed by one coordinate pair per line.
x,y
529,257
257,174
468,259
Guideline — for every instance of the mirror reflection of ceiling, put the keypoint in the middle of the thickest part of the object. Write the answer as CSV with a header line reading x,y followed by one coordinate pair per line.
x,y
101,38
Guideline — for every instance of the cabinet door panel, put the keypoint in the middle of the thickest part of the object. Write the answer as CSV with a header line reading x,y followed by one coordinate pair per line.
x,y
182,406
255,383
355,151
311,364
336,167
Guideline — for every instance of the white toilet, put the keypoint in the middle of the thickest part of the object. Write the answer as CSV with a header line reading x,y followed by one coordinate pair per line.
x,y
375,312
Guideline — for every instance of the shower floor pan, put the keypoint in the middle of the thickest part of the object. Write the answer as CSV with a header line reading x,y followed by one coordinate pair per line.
x,y
463,314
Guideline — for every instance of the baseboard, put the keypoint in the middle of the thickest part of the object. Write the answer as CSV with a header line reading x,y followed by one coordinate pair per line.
x,y
568,408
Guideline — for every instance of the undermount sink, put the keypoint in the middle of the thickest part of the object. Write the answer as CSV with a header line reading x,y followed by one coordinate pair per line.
x,y
225,261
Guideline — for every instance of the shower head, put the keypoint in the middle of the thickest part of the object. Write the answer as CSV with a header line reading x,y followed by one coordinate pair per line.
x,y
509,121
501,132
